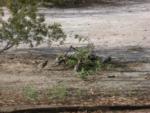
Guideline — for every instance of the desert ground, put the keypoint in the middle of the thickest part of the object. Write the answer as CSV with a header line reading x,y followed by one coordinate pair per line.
x,y
113,26
121,31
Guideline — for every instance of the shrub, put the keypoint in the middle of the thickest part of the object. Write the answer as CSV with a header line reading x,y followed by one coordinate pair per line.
x,y
26,26
59,92
83,60
30,93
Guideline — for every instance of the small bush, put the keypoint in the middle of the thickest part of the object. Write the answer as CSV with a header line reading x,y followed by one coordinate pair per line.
x,y
59,92
30,93
83,60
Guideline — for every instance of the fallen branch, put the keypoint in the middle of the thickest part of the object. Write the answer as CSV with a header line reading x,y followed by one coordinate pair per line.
x,y
6,47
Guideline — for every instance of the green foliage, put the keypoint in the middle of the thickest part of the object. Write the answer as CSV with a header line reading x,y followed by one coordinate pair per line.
x,y
2,2
26,26
83,73
30,93
58,2
59,92
56,33
86,65
83,61
71,62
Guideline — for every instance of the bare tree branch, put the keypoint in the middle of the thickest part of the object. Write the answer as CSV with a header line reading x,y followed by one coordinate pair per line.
x,y
6,47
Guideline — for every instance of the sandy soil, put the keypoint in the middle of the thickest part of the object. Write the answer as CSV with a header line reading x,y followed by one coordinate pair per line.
x,y
106,26
128,84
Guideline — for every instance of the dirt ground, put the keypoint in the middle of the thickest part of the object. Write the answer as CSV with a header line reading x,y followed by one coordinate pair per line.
x,y
121,32
127,84
107,26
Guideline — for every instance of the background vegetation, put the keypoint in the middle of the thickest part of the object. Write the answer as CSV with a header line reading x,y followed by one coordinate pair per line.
x,y
74,3
65,3
25,26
